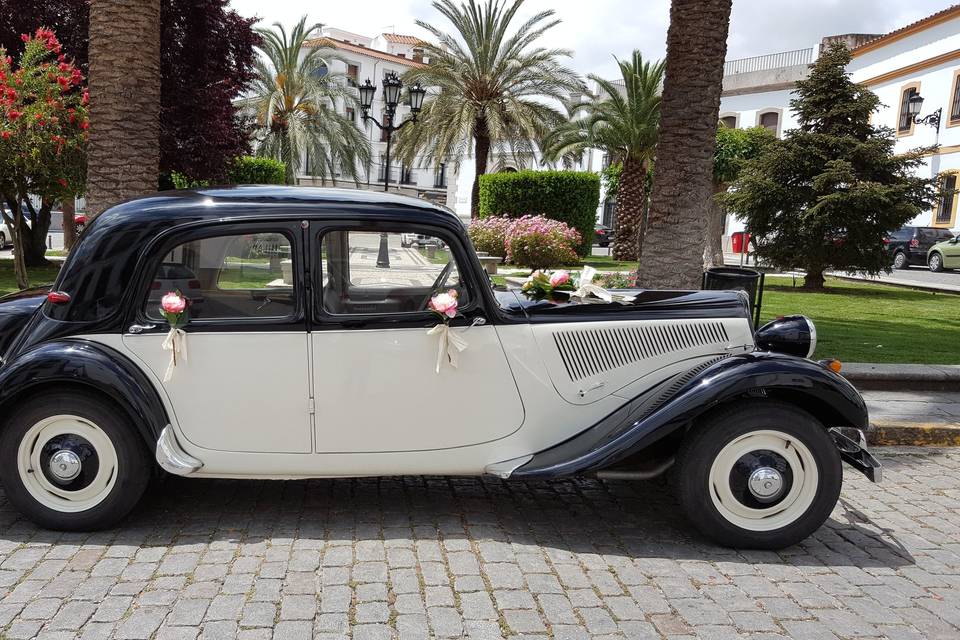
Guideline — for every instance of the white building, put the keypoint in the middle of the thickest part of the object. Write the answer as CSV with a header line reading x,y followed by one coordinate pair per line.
x,y
921,58
361,58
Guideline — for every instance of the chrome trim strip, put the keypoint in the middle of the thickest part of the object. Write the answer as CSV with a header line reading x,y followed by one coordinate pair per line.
x,y
172,458
813,336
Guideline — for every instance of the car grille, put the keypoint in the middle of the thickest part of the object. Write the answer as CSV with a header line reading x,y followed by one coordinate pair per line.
x,y
589,352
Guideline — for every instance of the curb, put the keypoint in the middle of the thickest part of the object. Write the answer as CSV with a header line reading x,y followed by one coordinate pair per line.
x,y
913,434
902,377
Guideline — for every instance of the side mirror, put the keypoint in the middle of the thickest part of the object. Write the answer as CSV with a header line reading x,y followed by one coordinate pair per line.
x,y
954,239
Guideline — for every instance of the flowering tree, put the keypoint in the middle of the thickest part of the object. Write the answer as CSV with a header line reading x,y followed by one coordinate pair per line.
x,y
43,137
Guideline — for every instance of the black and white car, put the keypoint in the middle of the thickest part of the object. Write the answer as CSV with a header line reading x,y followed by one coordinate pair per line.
x,y
305,357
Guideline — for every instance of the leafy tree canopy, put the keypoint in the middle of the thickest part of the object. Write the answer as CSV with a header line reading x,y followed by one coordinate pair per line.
x,y
736,146
825,196
207,59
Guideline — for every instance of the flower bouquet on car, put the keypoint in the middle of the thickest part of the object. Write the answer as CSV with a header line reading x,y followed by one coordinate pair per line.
x,y
446,307
544,283
174,308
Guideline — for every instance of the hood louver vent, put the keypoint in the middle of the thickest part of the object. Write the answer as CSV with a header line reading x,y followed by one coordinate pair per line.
x,y
589,352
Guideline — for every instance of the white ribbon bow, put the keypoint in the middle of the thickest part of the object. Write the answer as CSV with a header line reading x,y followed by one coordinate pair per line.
x,y
587,288
451,344
175,342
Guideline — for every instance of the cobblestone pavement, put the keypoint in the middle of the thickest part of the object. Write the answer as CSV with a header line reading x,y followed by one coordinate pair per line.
x,y
438,557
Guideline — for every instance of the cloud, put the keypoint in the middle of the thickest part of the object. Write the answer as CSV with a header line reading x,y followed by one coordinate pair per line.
x,y
601,29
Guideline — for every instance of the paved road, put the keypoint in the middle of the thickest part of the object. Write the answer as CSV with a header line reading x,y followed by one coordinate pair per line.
x,y
439,557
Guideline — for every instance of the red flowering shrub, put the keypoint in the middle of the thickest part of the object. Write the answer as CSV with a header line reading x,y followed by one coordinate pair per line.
x,y
43,134
540,243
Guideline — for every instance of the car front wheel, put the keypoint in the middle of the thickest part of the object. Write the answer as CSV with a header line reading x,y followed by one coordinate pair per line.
x,y
72,462
762,476
935,262
900,260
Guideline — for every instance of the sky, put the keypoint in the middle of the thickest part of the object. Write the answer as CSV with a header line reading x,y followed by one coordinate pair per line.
x,y
597,30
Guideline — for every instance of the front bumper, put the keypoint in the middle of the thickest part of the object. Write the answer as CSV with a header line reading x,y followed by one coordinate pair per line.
x,y
853,450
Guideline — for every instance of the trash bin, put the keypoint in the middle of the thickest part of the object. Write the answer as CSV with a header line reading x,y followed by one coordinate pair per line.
x,y
737,278
740,241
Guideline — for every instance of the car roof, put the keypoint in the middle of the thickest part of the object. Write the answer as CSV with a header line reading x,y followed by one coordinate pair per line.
x,y
253,200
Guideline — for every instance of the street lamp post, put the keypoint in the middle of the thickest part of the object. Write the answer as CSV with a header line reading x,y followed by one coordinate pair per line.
x,y
392,87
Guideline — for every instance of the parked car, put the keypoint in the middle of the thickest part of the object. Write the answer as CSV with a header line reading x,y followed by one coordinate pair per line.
x,y
419,240
602,235
944,255
316,378
909,245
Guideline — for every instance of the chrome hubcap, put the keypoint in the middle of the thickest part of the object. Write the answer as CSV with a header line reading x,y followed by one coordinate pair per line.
x,y
765,483
65,465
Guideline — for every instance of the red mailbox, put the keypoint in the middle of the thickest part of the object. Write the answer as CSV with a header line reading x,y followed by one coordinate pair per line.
x,y
740,241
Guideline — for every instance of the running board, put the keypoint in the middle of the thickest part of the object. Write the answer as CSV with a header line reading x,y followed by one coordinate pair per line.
x,y
172,458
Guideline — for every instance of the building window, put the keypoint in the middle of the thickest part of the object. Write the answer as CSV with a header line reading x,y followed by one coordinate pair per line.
x,y
730,122
948,193
955,100
440,176
353,72
904,120
351,114
770,120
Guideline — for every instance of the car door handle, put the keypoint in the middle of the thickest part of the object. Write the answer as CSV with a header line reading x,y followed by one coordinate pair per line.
x,y
140,328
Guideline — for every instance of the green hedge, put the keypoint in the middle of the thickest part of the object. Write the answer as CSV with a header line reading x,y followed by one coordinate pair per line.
x,y
567,196
252,170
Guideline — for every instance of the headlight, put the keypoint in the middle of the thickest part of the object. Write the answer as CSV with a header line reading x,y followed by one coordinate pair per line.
x,y
793,335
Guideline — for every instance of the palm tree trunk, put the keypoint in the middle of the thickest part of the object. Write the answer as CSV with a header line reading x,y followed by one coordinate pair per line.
x,y
481,155
630,208
713,242
124,81
682,185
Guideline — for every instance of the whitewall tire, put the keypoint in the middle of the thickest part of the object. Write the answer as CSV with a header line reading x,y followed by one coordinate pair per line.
x,y
763,475
72,461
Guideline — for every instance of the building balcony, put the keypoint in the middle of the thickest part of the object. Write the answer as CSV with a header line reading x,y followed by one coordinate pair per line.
x,y
769,61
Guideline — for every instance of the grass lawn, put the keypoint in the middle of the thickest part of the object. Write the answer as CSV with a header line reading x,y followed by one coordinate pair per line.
x,y
861,322
37,275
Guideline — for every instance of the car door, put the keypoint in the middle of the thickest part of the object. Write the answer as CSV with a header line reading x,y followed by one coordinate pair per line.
x,y
244,383
375,375
951,253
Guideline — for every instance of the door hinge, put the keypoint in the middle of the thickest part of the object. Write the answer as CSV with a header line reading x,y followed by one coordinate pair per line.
x,y
312,405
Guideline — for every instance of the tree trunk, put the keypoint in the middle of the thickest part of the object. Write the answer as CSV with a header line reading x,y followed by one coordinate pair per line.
x,y
713,241
481,155
124,82
683,178
15,225
630,208
814,280
33,239
69,225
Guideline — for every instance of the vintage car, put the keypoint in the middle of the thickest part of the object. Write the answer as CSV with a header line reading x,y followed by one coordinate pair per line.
x,y
303,358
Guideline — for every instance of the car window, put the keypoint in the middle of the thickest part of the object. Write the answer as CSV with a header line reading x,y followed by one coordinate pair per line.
x,y
233,276
902,234
944,234
366,272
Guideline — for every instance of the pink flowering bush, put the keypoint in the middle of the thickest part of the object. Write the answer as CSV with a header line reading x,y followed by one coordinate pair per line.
x,y
540,243
490,235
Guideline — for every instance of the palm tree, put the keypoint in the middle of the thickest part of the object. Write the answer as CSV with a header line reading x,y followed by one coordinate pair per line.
x,y
624,124
294,99
488,83
672,257
124,84
570,158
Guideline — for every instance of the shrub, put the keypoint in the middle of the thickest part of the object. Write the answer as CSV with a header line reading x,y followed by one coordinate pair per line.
x,y
540,243
253,170
490,235
571,197
181,181
616,280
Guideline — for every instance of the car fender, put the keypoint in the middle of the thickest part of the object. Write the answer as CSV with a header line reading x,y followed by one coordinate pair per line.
x,y
677,402
83,363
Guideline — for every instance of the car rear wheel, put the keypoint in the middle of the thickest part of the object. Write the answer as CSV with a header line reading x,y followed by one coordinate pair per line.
x,y
762,476
72,462
900,260
3,239
935,262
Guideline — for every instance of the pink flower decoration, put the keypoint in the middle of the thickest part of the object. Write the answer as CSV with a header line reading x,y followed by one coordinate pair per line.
x,y
558,278
445,303
173,303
